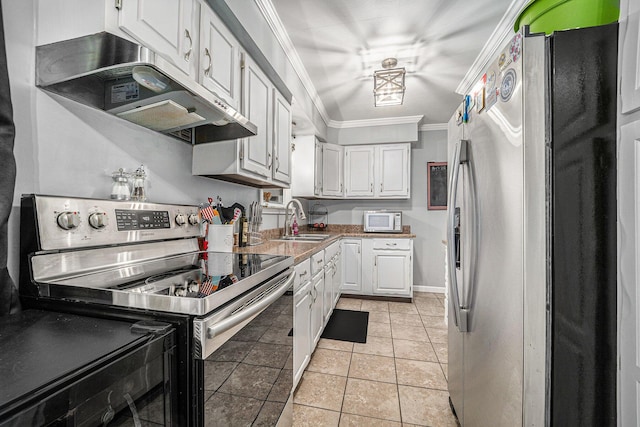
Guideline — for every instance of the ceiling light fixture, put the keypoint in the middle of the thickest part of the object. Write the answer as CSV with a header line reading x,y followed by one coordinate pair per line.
x,y
388,84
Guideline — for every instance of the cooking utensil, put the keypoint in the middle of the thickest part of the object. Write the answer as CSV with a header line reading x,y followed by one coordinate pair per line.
x,y
239,206
236,214
216,218
226,214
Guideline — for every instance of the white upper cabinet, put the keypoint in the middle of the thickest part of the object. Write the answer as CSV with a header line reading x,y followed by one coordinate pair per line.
x,y
359,171
192,37
317,169
356,171
257,102
168,27
268,154
393,171
306,168
219,69
281,138
332,170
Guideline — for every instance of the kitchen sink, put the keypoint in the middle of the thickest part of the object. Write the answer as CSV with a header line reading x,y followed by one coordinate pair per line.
x,y
305,238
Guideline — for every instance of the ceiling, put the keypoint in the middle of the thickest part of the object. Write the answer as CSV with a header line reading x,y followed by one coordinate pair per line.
x,y
341,43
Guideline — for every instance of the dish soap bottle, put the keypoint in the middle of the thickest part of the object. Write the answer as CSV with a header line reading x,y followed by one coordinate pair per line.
x,y
294,226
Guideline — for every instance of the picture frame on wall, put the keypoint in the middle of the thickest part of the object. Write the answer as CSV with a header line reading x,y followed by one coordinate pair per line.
x,y
437,185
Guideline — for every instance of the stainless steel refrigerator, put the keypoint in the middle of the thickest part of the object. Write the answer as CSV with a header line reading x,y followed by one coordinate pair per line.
x,y
532,235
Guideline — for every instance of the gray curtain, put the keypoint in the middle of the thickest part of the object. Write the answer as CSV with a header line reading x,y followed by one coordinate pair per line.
x,y
8,292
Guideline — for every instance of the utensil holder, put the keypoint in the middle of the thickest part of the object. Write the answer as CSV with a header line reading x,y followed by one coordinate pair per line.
x,y
220,238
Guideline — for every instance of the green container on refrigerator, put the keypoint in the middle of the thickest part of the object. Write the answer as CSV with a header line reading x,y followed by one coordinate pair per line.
x,y
547,16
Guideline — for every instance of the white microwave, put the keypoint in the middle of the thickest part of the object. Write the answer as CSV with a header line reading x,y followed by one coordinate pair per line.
x,y
382,222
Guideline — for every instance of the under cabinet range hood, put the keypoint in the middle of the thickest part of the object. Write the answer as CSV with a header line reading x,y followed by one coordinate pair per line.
x,y
130,81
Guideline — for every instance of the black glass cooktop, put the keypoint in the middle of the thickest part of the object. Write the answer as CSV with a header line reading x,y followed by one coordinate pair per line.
x,y
201,274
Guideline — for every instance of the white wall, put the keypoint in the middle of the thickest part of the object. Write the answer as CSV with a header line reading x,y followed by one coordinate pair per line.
x,y
428,226
65,148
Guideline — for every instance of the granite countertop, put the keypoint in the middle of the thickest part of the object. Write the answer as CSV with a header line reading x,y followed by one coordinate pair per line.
x,y
303,250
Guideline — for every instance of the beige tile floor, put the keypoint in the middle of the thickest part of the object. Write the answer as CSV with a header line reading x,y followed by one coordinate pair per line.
x,y
398,378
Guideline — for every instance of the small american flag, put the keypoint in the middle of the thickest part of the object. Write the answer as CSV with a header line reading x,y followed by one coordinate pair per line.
x,y
207,287
207,213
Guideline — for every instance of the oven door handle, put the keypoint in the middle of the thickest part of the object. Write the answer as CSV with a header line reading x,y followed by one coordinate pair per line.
x,y
265,299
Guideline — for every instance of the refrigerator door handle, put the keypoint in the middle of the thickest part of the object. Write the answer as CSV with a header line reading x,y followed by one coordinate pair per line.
x,y
459,314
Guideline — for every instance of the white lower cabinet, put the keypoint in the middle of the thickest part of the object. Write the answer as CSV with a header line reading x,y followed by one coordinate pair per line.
x,y
337,276
301,331
302,303
352,266
378,266
316,292
327,295
391,272
330,279
317,300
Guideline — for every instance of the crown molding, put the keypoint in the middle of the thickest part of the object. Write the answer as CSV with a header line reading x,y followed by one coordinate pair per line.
x,y
277,27
501,34
374,122
433,126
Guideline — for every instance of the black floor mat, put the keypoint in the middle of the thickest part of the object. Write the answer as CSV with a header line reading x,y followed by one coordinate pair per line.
x,y
347,325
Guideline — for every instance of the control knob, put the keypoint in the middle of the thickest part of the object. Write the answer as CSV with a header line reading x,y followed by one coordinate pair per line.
x,y
98,220
193,219
68,220
181,219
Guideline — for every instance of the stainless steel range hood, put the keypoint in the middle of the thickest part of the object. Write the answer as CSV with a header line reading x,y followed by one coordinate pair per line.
x,y
126,79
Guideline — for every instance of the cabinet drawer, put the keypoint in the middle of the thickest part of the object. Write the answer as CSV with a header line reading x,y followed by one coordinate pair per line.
x,y
331,251
317,262
303,274
392,244
301,293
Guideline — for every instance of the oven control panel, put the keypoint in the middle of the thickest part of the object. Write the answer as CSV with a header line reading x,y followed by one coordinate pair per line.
x,y
65,223
129,220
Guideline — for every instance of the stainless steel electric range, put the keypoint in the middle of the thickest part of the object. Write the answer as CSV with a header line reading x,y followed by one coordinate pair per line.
x,y
233,313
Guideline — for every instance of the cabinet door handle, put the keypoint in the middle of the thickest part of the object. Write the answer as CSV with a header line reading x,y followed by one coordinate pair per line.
x,y
188,52
304,273
381,187
391,244
277,163
372,187
208,69
269,162
358,249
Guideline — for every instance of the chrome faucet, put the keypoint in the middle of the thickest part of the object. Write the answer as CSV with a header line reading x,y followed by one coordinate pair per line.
x,y
287,217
